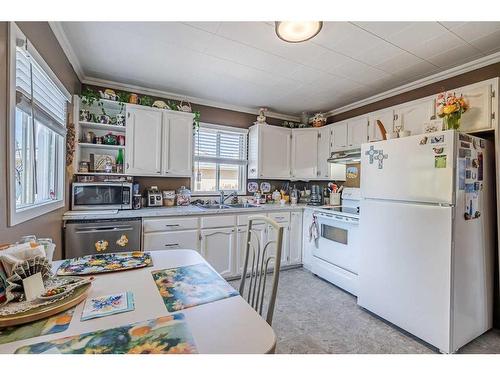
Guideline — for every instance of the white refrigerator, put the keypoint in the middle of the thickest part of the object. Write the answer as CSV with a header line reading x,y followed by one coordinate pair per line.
x,y
427,230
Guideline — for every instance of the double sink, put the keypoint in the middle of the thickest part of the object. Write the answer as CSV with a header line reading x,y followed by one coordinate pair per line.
x,y
225,206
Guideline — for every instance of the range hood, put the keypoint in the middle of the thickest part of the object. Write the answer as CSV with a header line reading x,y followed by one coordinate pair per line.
x,y
345,157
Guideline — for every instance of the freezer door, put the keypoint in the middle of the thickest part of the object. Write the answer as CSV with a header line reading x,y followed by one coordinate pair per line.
x,y
405,267
415,169
475,245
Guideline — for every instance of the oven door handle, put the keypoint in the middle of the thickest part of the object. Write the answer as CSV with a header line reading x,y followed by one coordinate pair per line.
x,y
104,229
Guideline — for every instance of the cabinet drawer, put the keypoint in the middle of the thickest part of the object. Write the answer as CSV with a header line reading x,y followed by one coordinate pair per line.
x,y
243,219
218,221
280,217
169,224
182,239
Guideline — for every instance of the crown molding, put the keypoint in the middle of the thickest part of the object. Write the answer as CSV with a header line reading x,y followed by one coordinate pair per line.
x,y
449,73
60,35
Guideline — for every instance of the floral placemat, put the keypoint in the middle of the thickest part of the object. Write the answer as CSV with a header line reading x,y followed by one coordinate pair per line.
x,y
54,324
165,335
190,286
97,307
101,263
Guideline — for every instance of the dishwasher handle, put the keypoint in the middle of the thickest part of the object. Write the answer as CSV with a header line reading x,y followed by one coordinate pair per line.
x,y
115,228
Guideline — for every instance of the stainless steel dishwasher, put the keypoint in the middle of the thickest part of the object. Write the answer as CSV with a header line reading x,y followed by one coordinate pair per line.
x,y
85,237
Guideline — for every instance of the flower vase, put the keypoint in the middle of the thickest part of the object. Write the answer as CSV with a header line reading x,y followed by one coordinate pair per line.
x,y
452,121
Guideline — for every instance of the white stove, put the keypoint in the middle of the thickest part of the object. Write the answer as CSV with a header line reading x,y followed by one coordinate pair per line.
x,y
335,257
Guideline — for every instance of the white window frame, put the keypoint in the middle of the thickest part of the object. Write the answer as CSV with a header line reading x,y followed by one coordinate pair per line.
x,y
20,215
243,176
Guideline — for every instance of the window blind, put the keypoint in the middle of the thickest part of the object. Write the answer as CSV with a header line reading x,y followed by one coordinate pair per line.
x,y
36,86
218,146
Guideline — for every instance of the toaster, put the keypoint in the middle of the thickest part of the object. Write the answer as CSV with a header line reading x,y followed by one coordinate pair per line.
x,y
154,197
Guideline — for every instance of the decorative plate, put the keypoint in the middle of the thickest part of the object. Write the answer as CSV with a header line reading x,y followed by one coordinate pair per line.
x,y
265,187
252,187
102,263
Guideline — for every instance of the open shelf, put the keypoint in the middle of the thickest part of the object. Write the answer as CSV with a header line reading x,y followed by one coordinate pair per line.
x,y
96,145
97,126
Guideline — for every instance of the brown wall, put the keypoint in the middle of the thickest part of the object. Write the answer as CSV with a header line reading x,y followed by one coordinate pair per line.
x,y
214,115
487,72
208,114
43,39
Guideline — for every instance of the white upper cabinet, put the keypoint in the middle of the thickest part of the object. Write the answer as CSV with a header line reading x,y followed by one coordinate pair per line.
x,y
159,142
350,134
386,117
144,141
357,131
269,152
304,153
482,106
339,135
324,144
178,144
412,116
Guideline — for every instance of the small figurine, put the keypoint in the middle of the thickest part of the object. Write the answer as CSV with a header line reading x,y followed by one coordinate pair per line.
x,y
261,118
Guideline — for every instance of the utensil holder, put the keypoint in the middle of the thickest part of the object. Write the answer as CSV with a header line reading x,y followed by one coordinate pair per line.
x,y
334,199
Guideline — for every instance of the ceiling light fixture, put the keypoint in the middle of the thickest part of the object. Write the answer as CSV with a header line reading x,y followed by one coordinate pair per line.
x,y
297,31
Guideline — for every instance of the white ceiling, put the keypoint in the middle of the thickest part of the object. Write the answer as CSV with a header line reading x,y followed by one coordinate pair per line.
x,y
245,64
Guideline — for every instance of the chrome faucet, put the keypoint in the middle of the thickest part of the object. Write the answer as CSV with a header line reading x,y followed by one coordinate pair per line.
x,y
224,198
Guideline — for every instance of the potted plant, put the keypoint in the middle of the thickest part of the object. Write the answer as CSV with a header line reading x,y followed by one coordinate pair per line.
x,y
146,100
450,108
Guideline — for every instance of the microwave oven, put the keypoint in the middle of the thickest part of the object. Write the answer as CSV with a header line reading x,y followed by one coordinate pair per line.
x,y
101,196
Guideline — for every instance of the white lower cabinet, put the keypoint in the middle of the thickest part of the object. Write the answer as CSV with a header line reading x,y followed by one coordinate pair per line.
x,y
181,239
295,238
221,239
218,249
260,234
307,243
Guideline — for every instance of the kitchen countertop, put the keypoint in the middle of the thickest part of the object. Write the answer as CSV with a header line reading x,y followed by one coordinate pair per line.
x,y
177,211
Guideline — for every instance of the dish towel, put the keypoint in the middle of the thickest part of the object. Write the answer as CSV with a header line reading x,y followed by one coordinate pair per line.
x,y
313,230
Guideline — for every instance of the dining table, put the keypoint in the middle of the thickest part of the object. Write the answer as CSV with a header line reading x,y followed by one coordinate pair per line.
x,y
225,326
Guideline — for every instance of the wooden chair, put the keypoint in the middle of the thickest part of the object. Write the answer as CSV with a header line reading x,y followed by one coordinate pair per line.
x,y
259,258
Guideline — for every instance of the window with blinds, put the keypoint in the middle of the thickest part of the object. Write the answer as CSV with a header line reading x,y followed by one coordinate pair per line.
x,y
220,159
39,130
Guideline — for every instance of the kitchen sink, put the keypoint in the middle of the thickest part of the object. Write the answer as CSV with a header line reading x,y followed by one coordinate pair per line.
x,y
241,205
225,206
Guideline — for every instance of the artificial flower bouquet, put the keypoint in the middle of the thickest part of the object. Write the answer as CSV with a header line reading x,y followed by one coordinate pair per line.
x,y
450,109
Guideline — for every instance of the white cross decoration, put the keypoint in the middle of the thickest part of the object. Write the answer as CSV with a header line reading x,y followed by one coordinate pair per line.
x,y
380,157
371,154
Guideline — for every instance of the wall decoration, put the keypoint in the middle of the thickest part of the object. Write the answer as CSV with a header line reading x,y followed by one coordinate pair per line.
x,y
97,307
164,335
54,324
190,286
265,187
252,187
102,263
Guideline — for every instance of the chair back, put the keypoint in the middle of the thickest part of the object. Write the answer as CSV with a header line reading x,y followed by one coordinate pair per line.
x,y
258,259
